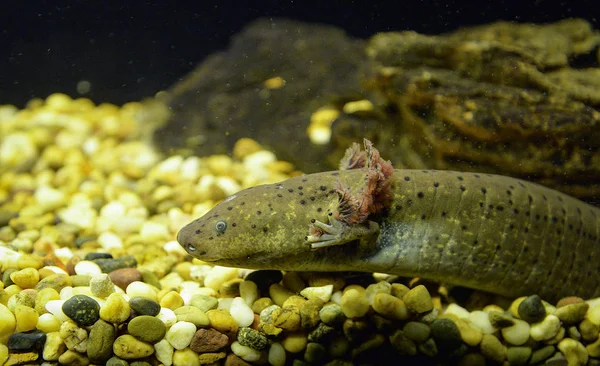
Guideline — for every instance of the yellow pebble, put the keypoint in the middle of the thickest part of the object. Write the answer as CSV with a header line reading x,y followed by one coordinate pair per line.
x,y
7,324
172,300
26,317
185,357
3,354
116,309
48,323
25,278
295,342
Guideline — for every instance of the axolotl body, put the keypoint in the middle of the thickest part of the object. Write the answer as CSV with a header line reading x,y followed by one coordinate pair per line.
x,y
483,231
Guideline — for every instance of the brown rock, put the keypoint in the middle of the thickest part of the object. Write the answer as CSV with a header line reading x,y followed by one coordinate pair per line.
x,y
208,340
568,300
52,260
124,276
71,264
233,360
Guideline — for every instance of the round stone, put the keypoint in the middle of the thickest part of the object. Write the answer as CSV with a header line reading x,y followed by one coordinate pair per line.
x,y
82,309
390,306
252,338
402,344
332,314
147,328
572,313
446,334
518,355
314,353
99,348
516,334
416,331
223,322
418,300
193,315
101,285
144,306
493,349
354,304
128,347
500,320
204,302
546,329
124,276
541,354
531,309
180,334
115,309
574,351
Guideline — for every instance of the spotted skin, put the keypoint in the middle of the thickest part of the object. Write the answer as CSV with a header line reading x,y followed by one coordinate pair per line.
x,y
482,231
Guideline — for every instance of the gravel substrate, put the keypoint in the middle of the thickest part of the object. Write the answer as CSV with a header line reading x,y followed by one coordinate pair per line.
x,y
91,272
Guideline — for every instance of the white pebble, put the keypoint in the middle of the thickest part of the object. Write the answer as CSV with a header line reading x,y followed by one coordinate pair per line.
x,y
56,270
49,198
219,275
66,293
167,316
190,169
516,334
88,268
322,292
54,307
225,303
17,149
245,353
64,254
545,329
337,297
180,334
241,312
228,185
249,292
153,230
457,310
81,215
173,247
108,240
164,352
259,158
138,288
481,320
276,355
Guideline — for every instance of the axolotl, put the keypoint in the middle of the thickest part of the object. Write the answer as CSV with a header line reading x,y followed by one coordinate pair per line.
x,y
483,231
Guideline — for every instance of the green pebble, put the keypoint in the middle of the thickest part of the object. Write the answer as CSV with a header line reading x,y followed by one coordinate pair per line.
x,y
531,309
500,320
203,302
108,265
80,280
542,354
416,331
320,333
102,335
572,313
192,315
492,348
150,278
518,355
140,363
252,338
314,353
116,361
144,306
55,281
22,298
6,280
309,313
338,347
82,309
446,334
402,344
472,359
147,328
332,314
382,324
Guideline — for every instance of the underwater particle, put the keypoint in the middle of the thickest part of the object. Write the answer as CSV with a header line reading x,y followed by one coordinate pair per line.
x,y
274,83
83,87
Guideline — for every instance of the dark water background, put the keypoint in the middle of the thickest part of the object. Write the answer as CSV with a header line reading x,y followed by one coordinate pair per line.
x,y
128,50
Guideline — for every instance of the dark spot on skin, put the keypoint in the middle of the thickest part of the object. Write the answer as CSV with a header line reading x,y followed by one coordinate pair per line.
x,y
312,198
300,187
545,217
302,202
483,190
491,207
570,226
242,203
313,221
464,227
234,224
335,173
319,209
253,226
511,226
258,212
332,191
306,179
323,188
398,207
544,197
463,188
476,176
498,247
290,190
554,219
211,238
423,217
436,184
525,249
578,210
265,229
500,208
526,230
443,213
516,211
330,214
459,178
279,195
480,204
537,217
407,179
475,242
508,192
198,232
530,198
420,194
510,202
300,194
229,208
559,198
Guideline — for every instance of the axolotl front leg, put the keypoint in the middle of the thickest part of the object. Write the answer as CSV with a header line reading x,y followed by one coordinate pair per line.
x,y
338,232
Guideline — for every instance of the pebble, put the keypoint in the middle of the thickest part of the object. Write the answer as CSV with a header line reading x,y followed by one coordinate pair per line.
x,y
101,286
457,310
418,300
241,312
164,352
314,353
295,342
189,358
287,318
518,355
180,334
147,328
277,355
128,347
55,281
193,315
279,294
572,313
252,338
492,348
249,292
141,289
25,278
72,358
403,344
322,293
167,316
48,323
124,277
516,334
75,338
470,335
574,351
53,347
115,309
546,329
144,306
416,331
96,255
218,275
87,268
500,320
110,265
208,340
26,317
82,309
589,331
204,302
54,307
244,352
116,361
531,309
446,334
100,340
309,313
264,279
223,322
332,314
481,320
26,342
390,306
354,304
80,280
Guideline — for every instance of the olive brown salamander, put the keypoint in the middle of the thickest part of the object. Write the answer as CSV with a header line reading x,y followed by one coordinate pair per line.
x,y
482,231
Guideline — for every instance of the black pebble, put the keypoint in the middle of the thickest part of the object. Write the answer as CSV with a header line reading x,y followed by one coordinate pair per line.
x,y
108,265
82,309
144,306
531,309
92,256
446,334
264,279
26,342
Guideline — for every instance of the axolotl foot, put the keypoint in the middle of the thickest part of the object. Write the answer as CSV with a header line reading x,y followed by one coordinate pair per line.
x,y
338,233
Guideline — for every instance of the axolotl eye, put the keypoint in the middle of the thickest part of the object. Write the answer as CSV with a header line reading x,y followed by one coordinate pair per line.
x,y
220,226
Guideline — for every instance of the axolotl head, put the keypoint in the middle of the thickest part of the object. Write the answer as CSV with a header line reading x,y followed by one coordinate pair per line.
x,y
264,226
